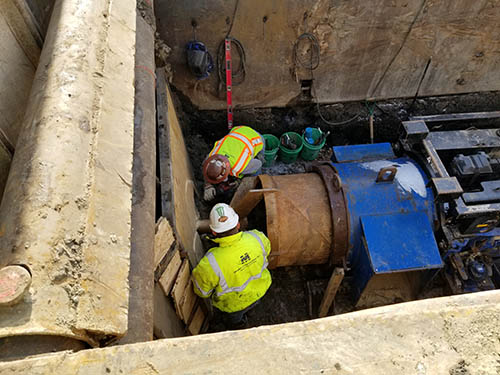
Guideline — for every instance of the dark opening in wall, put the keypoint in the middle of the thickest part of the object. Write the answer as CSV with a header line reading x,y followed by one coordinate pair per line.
x,y
305,88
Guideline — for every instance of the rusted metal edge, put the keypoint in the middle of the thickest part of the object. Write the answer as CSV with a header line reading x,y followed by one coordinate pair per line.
x,y
271,215
164,152
340,214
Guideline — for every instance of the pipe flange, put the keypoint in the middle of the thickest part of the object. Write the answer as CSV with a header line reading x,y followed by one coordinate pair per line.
x,y
340,214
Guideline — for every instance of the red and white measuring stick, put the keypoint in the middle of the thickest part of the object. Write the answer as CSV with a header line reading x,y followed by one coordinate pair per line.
x,y
229,84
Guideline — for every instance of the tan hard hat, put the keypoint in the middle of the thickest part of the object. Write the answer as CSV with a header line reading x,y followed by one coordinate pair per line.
x,y
216,168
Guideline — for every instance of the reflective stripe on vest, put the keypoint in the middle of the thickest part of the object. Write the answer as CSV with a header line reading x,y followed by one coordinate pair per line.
x,y
217,147
222,279
256,141
241,163
239,137
206,294
243,139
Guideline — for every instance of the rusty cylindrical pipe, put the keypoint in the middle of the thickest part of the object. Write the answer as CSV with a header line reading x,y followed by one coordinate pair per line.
x,y
299,219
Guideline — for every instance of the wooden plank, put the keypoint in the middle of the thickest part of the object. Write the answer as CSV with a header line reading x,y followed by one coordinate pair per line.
x,y
183,279
166,323
331,291
164,238
194,327
162,266
168,277
188,302
185,212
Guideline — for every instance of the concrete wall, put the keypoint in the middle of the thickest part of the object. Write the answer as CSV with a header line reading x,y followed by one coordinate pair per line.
x,y
378,49
19,53
67,201
450,335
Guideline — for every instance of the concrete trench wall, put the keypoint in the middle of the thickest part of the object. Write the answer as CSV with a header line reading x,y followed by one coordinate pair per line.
x,y
20,51
449,335
378,49
66,207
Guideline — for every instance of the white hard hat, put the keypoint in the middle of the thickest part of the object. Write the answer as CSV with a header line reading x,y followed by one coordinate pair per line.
x,y
223,218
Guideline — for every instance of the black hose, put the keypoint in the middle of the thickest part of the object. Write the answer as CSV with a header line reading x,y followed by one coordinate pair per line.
x,y
313,62
238,72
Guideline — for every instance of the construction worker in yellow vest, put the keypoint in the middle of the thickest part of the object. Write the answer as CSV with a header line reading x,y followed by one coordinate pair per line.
x,y
232,157
234,274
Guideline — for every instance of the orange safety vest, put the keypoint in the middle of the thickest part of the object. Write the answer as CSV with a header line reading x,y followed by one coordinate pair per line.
x,y
240,146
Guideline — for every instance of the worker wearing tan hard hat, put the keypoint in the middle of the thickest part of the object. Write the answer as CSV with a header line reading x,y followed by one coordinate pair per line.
x,y
234,274
234,155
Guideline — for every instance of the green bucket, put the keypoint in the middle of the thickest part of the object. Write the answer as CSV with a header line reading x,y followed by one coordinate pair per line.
x,y
288,155
272,147
309,151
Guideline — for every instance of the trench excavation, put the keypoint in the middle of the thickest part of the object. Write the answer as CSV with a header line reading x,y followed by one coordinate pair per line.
x,y
367,200
298,219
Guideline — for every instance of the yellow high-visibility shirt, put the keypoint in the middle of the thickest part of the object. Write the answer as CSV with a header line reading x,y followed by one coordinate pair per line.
x,y
240,146
235,273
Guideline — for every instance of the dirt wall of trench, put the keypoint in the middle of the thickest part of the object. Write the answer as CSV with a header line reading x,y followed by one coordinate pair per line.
x,y
365,50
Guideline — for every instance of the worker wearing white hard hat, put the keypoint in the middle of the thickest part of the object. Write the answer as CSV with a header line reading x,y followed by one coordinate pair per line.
x,y
234,274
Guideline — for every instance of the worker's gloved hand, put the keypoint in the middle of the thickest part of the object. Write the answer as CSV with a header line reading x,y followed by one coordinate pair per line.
x,y
235,183
209,193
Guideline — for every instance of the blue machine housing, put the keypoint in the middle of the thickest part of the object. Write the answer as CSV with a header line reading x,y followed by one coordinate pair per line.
x,y
391,212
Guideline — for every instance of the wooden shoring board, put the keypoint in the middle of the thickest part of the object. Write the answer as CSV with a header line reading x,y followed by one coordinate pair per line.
x,y
179,289
169,276
188,303
196,324
185,300
183,187
331,291
164,238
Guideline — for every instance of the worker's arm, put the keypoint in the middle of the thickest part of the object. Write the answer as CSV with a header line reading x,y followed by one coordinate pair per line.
x,y
265,241
204,279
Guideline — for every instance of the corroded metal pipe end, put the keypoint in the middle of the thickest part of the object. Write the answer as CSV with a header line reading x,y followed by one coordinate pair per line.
x,y
299,219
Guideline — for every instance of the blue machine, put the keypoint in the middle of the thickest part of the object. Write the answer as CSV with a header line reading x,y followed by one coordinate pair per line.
x,y
391,212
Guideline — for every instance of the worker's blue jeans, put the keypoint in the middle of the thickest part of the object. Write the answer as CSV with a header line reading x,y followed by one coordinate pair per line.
x,y
234,319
